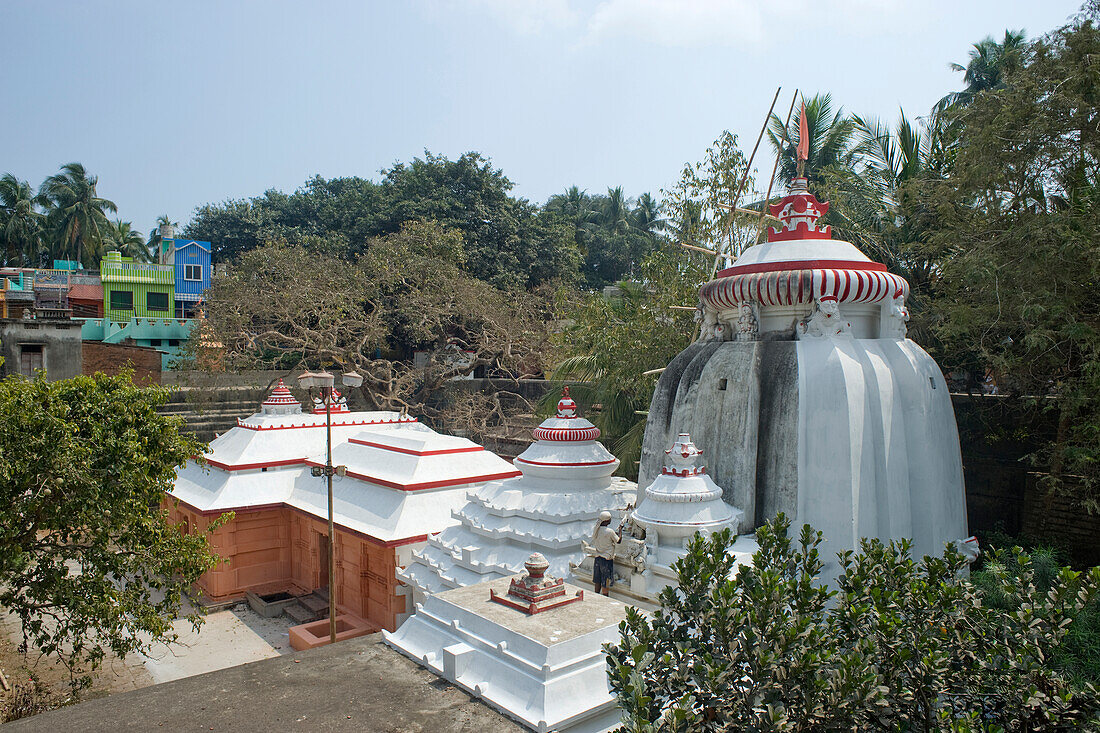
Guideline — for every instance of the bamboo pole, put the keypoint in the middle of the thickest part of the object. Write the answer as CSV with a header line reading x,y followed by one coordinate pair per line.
x,y
704,250
775,167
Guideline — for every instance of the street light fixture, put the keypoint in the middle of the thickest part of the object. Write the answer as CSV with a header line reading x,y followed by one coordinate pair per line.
x,y
323,382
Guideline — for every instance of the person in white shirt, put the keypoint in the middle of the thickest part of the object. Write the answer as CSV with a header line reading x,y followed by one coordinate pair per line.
x,y
604,542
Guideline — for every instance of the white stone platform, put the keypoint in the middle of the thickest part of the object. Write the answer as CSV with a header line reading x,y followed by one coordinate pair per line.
x,y
547,670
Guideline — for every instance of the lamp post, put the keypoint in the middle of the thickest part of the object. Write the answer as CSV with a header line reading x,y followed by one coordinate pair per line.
x,y
323,382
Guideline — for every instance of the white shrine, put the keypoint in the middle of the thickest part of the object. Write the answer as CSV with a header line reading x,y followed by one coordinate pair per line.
x,y
681,502
566,482
399,482
810,399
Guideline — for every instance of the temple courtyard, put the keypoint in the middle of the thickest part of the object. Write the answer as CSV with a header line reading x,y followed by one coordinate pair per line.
x,y
228,637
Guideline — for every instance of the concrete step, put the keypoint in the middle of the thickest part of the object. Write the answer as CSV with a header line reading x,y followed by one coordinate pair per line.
x,y
322,593
302,615
315,604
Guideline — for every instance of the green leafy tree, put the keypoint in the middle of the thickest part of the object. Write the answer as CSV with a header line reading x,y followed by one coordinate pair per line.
x,y
895,644
699,205
88,563
507,244
76,216
1018,230
989,66
292,304
608,344
20,222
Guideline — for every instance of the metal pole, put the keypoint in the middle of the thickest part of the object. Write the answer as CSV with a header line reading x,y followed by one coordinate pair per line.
x,y
331,522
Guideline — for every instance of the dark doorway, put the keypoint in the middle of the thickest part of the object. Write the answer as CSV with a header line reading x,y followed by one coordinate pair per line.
x,y
322,550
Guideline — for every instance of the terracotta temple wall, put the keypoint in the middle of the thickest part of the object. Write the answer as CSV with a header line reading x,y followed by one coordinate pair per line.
x,y
280,548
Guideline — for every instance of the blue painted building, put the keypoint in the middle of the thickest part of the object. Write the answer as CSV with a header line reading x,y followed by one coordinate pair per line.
x,y
191,259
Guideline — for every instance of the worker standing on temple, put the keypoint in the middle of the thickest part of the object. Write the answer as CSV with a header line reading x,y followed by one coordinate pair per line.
x,y
604,542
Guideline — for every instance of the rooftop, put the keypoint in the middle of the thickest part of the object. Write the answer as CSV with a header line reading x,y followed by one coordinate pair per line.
x,y
356,685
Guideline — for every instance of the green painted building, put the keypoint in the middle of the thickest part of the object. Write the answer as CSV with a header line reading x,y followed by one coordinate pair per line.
x,y
136,289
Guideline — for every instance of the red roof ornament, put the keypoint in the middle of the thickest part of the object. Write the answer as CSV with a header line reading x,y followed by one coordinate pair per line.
x,y
799,211
567,408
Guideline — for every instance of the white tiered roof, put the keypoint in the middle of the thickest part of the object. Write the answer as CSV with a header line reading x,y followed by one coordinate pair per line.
x,y
551,508
684,500
403,482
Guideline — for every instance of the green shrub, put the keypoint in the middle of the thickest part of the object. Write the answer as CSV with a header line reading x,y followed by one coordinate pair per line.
x,y
895,644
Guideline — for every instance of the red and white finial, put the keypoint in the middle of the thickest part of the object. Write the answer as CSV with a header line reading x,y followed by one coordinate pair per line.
x,y
567,408
682,458
280,401
799,211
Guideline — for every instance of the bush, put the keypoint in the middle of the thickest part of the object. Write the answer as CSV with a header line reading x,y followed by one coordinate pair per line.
x,y
896,644
1078,656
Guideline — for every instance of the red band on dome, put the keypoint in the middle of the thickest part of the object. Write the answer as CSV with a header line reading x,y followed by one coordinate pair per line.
x,y
801,265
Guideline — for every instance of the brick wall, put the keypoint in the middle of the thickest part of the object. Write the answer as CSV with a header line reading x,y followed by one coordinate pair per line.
x,y
113,358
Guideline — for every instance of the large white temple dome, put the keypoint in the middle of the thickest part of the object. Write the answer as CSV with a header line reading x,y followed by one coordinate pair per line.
x,y
808,397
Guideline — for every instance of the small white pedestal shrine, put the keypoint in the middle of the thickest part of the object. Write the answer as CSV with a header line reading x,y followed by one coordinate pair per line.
x,y
528,645
681,502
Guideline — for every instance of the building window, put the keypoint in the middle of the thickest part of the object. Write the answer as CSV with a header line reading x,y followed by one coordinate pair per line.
x,y
30,359
173,342
192,272
122,300
156,301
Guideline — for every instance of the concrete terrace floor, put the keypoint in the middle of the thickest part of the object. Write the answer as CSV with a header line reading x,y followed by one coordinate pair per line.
x,y
356,685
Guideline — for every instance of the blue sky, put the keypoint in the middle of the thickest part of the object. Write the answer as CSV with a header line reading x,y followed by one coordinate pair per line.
x,y
175,105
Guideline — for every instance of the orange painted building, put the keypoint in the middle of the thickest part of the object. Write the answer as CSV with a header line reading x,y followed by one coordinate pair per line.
x,y
402,482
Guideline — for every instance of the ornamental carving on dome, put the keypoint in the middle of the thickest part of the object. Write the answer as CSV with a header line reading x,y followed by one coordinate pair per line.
x,y
280,402
682,459
798,212
824,320
567,408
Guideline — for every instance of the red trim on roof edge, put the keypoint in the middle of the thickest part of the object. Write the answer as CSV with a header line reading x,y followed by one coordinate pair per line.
x,y
801,265
411,452
282,505
582,463
346,423
246,466
426,484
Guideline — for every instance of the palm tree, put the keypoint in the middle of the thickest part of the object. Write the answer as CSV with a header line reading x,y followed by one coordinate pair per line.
x,y
154,234
76,216
615,216
20,222
576,205
647,215
129,241
830,140
989,65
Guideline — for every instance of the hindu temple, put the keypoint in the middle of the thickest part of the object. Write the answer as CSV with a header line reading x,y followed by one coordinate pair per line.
x,y
808,396
399,482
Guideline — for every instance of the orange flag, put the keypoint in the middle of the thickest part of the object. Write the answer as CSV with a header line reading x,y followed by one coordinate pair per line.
x,y
803,135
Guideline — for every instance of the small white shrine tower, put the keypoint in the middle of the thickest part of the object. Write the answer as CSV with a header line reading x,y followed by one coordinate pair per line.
x,y
566,482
